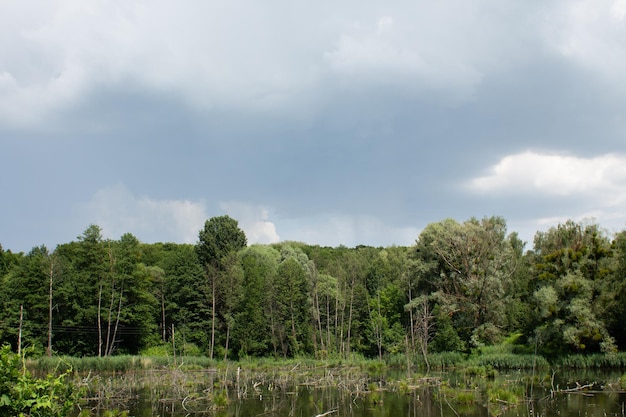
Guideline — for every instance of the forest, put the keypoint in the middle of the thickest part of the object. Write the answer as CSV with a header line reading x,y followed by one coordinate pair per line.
x,y
461,286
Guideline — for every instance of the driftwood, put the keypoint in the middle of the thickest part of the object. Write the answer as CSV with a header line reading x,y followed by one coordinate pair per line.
x,y
326,413
577,388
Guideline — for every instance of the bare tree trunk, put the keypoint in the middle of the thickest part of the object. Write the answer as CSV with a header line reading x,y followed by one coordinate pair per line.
x,y
227,337
408,358
163,310
317,314
424,327
379,330
173,344
111,303
212,318
328,323
293,329
343,314
411,319
117,320
49,349
350,315
100,320
318,318
19,333
273,329
376,324
379,337
109,318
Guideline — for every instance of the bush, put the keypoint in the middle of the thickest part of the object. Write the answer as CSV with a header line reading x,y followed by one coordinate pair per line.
x,y
21,394
158,350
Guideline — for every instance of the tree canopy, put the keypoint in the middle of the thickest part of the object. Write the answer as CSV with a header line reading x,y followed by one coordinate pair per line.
x,y
462,285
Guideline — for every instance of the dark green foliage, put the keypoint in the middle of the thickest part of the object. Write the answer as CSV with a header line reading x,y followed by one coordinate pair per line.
x,y
598,361
220,236
218,242
571,264
26,286
291,308
253,329
21,394
461,288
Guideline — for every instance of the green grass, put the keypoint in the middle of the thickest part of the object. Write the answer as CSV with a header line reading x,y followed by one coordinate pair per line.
x,y
510,361
497,358
503,395
593,361
118,364
442,361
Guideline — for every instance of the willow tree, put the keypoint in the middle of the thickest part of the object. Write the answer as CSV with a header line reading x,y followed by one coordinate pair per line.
x,y
469,266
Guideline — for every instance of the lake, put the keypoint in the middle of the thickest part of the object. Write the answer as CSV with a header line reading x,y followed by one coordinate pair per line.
x,y
355,392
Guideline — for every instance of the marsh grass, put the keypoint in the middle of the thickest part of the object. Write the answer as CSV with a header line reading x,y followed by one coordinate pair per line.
x,y
119,364
499,357
199,384
441,361
510,361
593,361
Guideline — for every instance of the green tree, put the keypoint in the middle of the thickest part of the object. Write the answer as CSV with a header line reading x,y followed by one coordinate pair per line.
x,y
253,326
26,290
220,237
292,309
185,301
469,265
132,323
385,273
571,264
613,292
90,266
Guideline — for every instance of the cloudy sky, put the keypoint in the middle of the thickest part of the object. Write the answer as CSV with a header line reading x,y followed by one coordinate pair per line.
x,y
351,122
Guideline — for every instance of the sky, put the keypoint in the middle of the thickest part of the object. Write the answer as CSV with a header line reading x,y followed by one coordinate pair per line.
x,y
325,122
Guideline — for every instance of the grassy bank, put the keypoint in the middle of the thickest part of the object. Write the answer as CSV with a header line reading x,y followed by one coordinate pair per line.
x,y
437,362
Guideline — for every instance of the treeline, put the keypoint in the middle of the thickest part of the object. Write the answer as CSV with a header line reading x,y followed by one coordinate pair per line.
x,y
461,286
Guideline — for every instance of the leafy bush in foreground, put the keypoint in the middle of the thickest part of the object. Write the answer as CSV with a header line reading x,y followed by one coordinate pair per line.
x,y
23,395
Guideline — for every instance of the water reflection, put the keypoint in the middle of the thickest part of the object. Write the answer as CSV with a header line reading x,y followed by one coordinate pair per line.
x,y
356,393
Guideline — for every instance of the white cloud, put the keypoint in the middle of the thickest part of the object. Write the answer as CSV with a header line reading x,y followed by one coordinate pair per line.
x,y
618,10
339,229
595,188
552,174
206,53
591,33
253,220
117,211
401,54
246,54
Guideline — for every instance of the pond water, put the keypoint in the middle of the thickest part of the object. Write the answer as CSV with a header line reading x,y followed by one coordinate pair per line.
x,y
357,393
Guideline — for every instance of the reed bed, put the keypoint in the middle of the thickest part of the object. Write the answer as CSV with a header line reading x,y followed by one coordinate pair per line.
x,y
594,361
441,361
202,385
118,364
497,359
504,361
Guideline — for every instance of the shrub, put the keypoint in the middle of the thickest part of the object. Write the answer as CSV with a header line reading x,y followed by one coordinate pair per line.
x,y
21,394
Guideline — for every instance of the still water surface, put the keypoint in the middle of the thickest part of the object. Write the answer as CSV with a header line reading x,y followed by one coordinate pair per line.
x,y
359,394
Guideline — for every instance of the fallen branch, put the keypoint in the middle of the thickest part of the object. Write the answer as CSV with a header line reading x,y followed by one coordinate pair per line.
x,y
326,413
578,388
